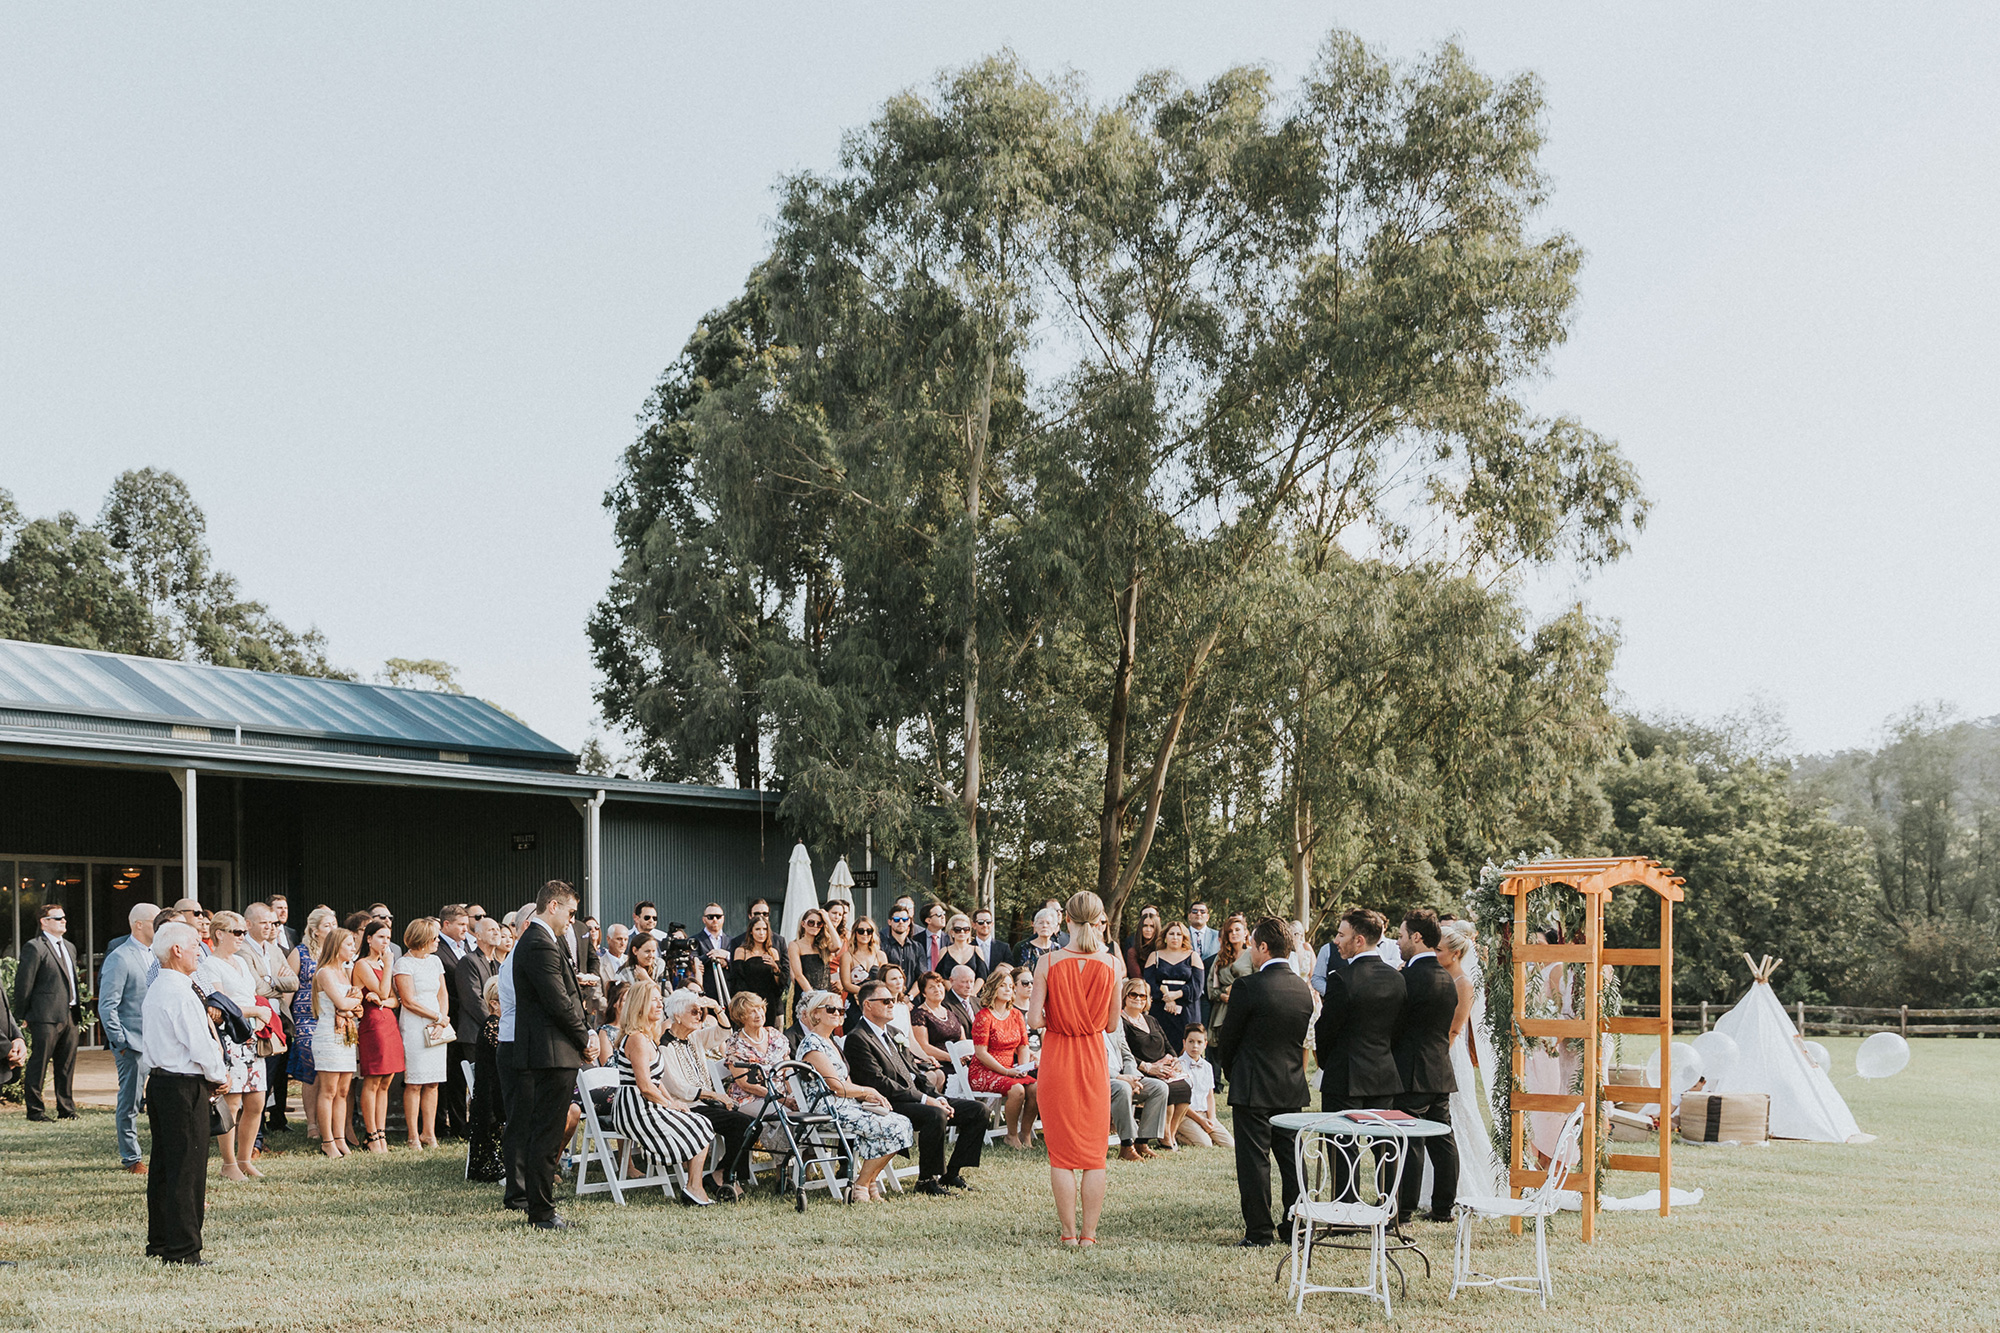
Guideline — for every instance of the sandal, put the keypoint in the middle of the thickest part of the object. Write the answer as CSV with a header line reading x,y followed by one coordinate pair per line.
x,y
1070,1241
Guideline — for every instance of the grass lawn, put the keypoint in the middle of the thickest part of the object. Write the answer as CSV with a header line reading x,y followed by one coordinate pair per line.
x,y
1903,1233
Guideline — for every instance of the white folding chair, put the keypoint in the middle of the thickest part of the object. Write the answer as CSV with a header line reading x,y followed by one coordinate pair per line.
x,y
1335,1170
596,1141
959,1085
1540,1203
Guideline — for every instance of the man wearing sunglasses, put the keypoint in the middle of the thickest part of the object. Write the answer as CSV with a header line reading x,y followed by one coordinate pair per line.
x,y
45,1001
994,951
876,1059
903,945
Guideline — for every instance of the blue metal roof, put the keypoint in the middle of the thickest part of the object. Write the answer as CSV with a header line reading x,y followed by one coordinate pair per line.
x,y
46,679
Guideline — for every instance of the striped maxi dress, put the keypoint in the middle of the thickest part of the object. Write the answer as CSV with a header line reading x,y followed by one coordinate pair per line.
x,y
661,1132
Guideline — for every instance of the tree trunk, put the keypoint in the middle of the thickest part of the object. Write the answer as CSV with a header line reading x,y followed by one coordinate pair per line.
x,y
977,426
1111,818
1299,859
1156,784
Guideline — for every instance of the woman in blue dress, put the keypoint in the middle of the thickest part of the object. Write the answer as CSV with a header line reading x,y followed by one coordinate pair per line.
x,y
300,1066
1175,975
876,1132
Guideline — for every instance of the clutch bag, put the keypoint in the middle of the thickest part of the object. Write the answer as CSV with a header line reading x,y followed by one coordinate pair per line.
x,y
439,1034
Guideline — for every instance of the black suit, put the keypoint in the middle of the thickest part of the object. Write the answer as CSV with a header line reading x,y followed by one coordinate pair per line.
x,y
1262,1045
998,955
45,1002
10,1032
1355,1039
874,1063
451,1102
550,1034
1423,1058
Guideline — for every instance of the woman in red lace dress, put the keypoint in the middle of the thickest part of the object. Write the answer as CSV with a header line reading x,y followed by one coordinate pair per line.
x,y
1000,1058
1075,1004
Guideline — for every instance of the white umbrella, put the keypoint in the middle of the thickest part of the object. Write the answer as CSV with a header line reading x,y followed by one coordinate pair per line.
x,y
800,895
840,884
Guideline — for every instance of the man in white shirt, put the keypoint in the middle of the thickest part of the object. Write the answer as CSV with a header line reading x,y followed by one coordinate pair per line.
x,y
993,952
187,1064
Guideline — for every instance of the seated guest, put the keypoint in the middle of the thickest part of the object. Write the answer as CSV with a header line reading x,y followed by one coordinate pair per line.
x,y
612,956
864,1114
691,1042
750,1047
1000,1059
935,1023
652,1112
756,965
1130,1090
642,963
963,952
1024,992
1149,1047
880,1062
964,997
1200,1126
482,1152
228,969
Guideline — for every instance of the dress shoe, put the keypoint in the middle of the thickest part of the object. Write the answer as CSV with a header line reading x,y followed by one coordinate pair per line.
x,y
957,1182
933,1187
555,1223
40,1119
136,1168
1129,1154
195,1262
1248,1244
68,1115
515,1205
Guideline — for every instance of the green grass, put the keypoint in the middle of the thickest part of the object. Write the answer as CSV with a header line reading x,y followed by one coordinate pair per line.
x,y
1900,1233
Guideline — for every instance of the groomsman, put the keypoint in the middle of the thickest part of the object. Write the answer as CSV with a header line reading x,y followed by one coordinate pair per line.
x,y
1355,1039
1423,1060
1261,1044
551,1041
46,1003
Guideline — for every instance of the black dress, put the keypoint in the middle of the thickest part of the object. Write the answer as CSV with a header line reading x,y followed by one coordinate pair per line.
x,y
1149,1046
482,1150
759,976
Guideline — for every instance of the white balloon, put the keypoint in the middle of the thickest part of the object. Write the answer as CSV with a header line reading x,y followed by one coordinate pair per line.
x,y
1821,1055
1687,1068
1719,1053
1881,1055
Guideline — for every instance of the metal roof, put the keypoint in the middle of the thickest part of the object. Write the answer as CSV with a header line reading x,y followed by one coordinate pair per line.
x,y
297,712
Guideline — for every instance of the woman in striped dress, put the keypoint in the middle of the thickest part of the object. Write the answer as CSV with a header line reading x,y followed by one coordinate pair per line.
x,y
648,1109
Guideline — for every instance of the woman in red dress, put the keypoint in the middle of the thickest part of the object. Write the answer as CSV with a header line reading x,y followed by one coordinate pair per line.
x,y
381,1053
1075,1004
1000,1058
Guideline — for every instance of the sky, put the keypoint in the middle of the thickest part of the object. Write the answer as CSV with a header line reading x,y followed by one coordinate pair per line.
x,y
387,284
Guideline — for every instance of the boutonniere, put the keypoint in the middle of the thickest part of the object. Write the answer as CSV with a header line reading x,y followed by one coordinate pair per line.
x,y
896,1035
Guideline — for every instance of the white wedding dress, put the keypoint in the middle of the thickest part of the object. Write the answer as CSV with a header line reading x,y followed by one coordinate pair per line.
x,y
1478,1168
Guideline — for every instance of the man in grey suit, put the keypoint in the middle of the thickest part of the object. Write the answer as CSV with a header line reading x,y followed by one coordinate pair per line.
x,y
46,1002
121,998
1129,1086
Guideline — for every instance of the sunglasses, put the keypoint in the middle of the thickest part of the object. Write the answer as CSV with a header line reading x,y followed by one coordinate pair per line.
x,y
961,930
983,921
711,916
898,920
833,1009
864,930
233,931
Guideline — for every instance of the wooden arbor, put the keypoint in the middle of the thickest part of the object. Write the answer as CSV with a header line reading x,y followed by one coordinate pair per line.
x,y
1594,879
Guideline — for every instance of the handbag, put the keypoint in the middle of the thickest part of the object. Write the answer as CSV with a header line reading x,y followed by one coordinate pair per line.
x,y
221,1117
270,1046
439,1034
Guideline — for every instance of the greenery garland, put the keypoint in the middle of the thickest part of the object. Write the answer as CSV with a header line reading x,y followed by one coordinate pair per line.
x,y
1554,906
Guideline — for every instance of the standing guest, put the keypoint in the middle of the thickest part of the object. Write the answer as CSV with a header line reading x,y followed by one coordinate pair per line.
x,y
934,935
1206,938
903,946
864,960
47,1004
195,915
379,1052
760,907
963,999
514,1194
423,996
1269,1012
482,1145
1301,956
1176,978
691,1042
304,1021
1029,952
961,952
228,969
876,1060
650,1109
646,921
336,1036
281,914
1000,1062
756,965
1231,964
1141,943
277,984
1201,1127
934,1023
551,1040
121,999
865,1114
1423,1060
840,915
1076,1005
470,982
185,1056
1156,1058
455,944
380,912
712,943
815,949
993,951
1355,1036
899,1001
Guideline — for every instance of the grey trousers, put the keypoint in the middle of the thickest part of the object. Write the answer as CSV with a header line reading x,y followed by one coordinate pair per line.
x,y
1152,1118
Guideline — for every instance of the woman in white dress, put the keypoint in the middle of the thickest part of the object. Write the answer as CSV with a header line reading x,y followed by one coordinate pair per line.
x,y
336,1037
1478,1169
420,989
1551,1063
229,970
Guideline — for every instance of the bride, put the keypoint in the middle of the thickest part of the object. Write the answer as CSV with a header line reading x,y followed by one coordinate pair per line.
x,y
1478,1169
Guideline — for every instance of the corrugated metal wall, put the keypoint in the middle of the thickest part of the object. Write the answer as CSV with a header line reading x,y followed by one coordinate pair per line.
x,y
682,858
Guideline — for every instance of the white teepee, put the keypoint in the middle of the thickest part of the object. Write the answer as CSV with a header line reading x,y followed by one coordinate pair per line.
x,y
1772,1058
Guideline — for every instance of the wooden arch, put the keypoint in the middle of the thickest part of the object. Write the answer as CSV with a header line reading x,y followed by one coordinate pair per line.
x,y
1594,878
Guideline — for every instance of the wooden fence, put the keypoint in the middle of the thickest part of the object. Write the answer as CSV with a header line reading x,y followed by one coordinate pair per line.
x,y
1848,1020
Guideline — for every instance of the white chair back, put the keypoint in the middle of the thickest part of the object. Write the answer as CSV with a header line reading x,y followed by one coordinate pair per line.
x,y
1544,1194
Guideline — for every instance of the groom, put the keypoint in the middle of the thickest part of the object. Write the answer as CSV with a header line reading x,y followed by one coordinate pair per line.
x,y
1423,1059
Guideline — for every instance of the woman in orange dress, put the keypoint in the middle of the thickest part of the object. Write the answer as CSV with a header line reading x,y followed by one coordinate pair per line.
x,y
1075,1004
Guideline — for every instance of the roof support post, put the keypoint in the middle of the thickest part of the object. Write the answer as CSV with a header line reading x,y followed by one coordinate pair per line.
x,y
190,850
592,812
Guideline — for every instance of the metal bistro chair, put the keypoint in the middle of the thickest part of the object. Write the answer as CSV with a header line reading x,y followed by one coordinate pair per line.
x,y
1333,1162
1540,1203
815,1152
612,1151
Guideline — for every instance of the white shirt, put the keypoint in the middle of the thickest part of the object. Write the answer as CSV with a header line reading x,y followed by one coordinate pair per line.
x,y
1274,963
56,943
178,1037
1391,952
1200,1078
1428,953
507,995
458,950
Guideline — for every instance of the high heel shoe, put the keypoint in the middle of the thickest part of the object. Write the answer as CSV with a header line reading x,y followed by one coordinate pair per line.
x,y
688,1200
